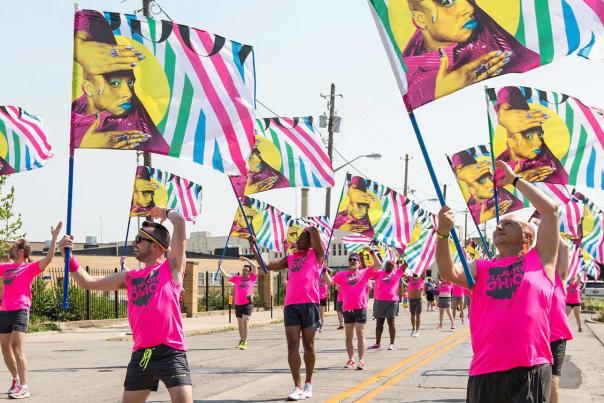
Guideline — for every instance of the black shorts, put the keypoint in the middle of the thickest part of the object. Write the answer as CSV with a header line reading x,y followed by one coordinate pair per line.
x,y
323,302
355,316
430,296
14,321
246,309
415,306
558,351
572,305
305,315
166,364
522,384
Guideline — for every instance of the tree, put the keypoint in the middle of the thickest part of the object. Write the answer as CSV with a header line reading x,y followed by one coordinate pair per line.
x,y
10,224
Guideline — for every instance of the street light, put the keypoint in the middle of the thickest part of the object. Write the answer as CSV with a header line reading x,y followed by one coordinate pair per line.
x,y
328,192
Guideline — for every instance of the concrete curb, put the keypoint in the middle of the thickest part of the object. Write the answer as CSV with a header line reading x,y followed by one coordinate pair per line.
x,y
588,324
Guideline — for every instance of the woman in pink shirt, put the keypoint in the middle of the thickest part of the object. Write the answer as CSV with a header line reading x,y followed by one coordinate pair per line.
x,y
323,297
243,287
573,299
159,350
17,276
457,301
444,302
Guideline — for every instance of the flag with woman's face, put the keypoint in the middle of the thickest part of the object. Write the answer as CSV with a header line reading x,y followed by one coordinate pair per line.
x,y
156,188
162,87
437,47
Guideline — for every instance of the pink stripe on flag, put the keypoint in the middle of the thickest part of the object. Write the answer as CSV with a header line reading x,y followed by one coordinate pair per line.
x,y
36,127
397,218
25,132
593,121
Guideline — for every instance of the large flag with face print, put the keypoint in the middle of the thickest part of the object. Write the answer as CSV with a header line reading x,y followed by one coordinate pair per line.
x,y
592,229
438,47
156,188
546,136
162,87
288,153
296,226
23,143
268,223
356,243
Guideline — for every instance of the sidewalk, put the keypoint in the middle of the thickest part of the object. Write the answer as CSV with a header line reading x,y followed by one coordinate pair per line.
x,y
597,328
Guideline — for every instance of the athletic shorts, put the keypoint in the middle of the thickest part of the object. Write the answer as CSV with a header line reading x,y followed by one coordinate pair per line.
x,y
14,321
430,296
355,316
305,315
385,309
415,306
558,350
246,309
323,302
466,300
166,364
572,305
457,300
444,302
522,384
339,306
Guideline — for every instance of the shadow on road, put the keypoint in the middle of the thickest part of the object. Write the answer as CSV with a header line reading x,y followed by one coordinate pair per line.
x,y
447,372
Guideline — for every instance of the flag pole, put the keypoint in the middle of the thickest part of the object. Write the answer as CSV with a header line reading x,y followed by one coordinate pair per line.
x,y
126,241
250,229
226,244
68,230
495,192
439,193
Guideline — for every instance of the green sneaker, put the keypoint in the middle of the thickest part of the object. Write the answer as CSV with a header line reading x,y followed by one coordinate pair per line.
x,y
243,345
239,345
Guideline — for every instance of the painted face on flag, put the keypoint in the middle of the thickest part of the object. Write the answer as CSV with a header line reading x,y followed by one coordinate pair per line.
x,y
111,92
264,165
148,192
359,209
445,21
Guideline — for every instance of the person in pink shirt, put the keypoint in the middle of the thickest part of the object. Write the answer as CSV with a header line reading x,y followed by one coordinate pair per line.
x,y
511,300
243,288
457,301
339,309
159,351
355,298
415,287
301,314
17,277
385,298
444,302
324,297
573,299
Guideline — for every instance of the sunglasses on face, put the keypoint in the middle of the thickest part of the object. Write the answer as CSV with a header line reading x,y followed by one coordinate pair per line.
x,y
353,259
138,239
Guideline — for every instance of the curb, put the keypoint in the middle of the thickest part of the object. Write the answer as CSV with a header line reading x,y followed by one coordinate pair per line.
x,y
588,324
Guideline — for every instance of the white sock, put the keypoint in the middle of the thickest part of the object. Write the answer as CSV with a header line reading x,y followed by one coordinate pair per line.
x,y
24,386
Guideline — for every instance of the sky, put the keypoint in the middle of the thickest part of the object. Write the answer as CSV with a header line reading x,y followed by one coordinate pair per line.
x,y
301,47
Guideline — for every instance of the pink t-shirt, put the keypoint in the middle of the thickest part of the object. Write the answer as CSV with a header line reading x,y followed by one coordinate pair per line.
x,y
323,288
415,284
509,319
558,321
445,287
387,285
456,291
340,294
353,286
16,292
573,293
244,287
154,307
303,272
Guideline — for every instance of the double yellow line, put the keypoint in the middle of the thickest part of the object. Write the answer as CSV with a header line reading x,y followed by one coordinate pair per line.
x,y
421,358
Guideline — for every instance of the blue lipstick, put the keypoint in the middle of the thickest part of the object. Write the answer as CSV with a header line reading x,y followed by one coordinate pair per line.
x,y
471,24
126,106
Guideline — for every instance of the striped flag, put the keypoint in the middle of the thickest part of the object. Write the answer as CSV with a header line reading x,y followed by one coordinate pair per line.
x,y
356,243
288,153
23,143
188,93
591,267
295,226
569,216
156,188
516,37
574,262
420,253
269,224
547,136
592,230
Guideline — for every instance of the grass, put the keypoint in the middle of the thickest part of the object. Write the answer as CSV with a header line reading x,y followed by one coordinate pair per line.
x,y
38,324
595,305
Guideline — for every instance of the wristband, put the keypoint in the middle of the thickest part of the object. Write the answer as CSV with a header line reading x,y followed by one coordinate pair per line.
x,y
73,265
441,236
515,181
168,212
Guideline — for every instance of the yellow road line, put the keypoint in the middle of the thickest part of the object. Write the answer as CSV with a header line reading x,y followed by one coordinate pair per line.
x,y
396,379
392,369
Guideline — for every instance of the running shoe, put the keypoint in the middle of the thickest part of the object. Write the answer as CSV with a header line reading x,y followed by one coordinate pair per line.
x,y
416,334
349,364
243,345
21,393
580,329
374,347
239,345
340,327
307,390
361,365
14,386
391,347
453,327
297,394
320,330
412,333
439,327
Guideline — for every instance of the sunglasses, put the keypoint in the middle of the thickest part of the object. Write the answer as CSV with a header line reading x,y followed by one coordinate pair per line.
x,y
138,239
144,236
353,259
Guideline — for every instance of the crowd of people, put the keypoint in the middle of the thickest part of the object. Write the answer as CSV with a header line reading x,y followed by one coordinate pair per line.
x,y
518,320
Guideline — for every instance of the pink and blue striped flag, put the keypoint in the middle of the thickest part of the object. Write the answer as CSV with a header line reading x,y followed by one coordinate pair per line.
x,y
165,88
356,243
268,223
23,142
295,226
288,153
592,230
575,261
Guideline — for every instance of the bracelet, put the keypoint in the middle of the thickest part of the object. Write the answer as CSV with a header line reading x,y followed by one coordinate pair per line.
x,y
441,236
73,265
168,212
515,181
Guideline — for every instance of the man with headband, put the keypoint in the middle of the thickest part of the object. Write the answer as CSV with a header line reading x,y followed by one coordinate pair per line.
x,y
159,351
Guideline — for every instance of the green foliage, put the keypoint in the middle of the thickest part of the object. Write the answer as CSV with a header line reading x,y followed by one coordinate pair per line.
x,y
10,224
214,299
593,304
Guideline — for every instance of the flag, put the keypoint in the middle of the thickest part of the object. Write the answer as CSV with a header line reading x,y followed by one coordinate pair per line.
x,y
575,260
295,226
288,153
23,143
162,87
494,38
377,212
547,136
156,188
420,252
592,231
268,223
473,170
569,216
357,243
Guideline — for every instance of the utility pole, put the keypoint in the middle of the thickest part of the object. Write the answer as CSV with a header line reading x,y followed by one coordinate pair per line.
x,y
330,130
304,196
406,173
